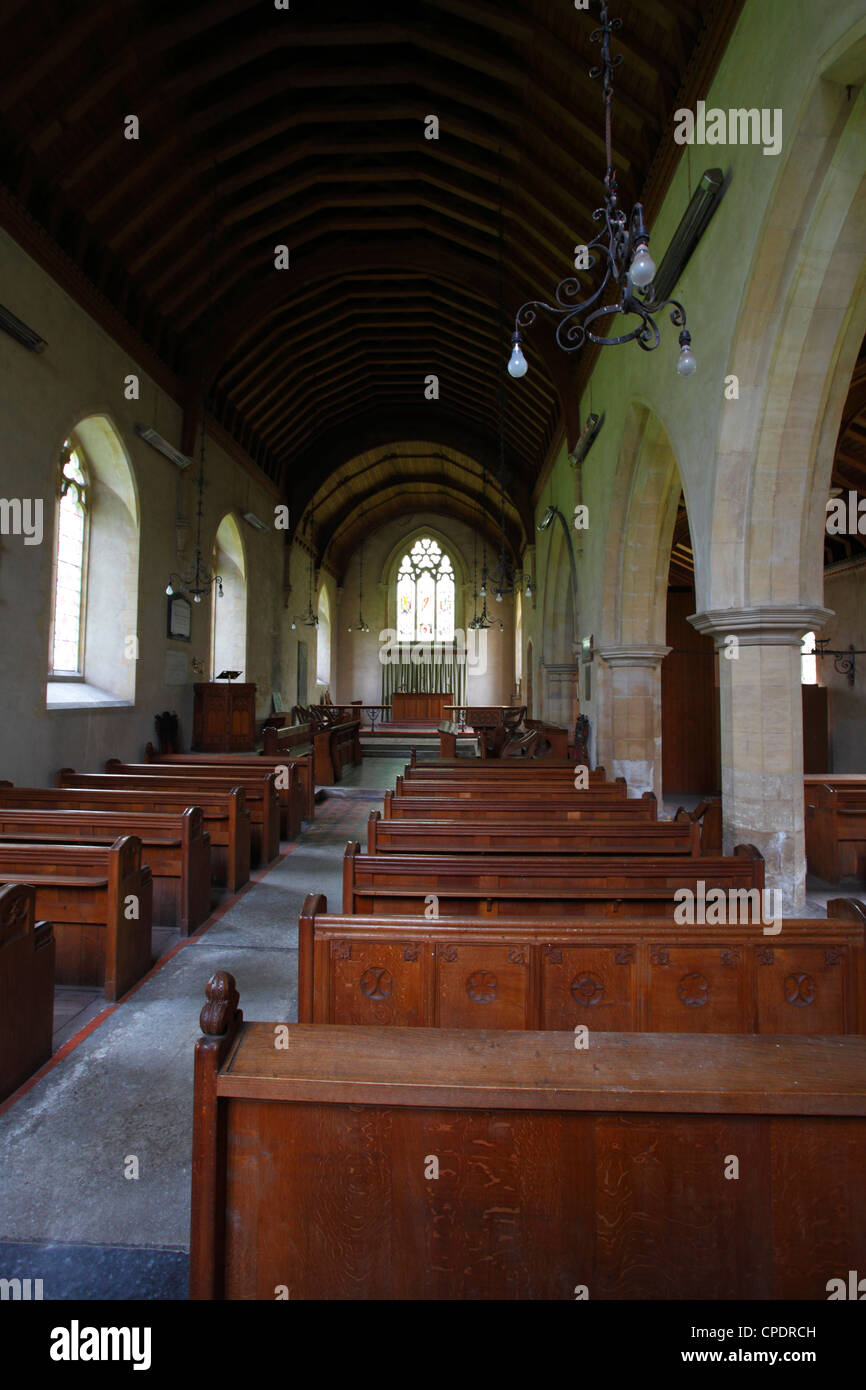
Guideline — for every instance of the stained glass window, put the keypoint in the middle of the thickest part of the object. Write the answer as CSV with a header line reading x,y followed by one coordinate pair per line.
x,y
425,594
70,558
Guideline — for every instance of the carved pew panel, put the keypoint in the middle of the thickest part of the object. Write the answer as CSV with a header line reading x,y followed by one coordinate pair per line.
x,y
624,976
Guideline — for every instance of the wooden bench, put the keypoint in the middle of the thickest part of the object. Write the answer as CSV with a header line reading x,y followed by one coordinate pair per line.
x,y
224,815
534,885
100,901
333,746
836,828
175,846
294,779
26,987
552,740
708,815
496,770
444,1164
623,976
260,791
507,787
550,835
523,809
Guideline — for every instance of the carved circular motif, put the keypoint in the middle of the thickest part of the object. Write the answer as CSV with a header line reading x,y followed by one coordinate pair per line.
x,y
587,989
799,989
693,990
376,983
481,987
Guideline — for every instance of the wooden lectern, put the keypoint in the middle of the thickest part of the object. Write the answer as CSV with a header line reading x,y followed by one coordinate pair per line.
x,y
224,717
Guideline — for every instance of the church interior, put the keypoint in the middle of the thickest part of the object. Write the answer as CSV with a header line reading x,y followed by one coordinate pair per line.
x,y
433,515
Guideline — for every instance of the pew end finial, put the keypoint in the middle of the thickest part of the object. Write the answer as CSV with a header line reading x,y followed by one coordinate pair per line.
x,y
221,1004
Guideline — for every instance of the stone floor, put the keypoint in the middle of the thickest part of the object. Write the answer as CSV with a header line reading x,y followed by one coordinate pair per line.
x,y
120,1082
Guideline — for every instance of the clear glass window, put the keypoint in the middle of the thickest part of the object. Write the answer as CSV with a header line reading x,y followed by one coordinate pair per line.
x,y
70,566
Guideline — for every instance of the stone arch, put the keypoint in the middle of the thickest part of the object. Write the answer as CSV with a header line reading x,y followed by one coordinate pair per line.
x,y
647,490
801,323
229,610
557,691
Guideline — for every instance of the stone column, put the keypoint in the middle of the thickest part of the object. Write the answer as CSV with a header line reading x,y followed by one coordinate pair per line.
x,y
762,734
629,733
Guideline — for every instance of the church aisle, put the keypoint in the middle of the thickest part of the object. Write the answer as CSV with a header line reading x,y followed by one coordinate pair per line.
x,y
121,1099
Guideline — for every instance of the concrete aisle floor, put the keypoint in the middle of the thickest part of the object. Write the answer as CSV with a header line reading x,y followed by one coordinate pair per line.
x,y
68,1213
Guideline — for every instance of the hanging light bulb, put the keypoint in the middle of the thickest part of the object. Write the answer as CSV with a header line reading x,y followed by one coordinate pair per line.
x,y
196,598
687,364
498,595
517,363
169,590
642,270
528,589
294,626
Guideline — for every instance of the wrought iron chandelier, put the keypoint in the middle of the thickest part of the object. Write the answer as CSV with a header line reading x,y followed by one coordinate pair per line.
x,y
623,250
361,625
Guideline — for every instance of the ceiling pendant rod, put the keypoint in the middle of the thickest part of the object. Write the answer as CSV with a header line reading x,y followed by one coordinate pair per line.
x,y
622,250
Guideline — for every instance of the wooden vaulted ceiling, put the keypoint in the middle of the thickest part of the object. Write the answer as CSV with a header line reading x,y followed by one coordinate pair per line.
x,y
305,127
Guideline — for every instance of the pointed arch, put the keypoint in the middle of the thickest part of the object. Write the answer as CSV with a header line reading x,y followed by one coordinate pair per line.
x,y
229,607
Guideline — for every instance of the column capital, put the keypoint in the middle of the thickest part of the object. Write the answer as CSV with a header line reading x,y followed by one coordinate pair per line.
x,y
762,625
639,654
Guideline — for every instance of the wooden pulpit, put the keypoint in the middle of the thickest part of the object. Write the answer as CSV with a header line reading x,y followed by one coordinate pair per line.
x,y
224,717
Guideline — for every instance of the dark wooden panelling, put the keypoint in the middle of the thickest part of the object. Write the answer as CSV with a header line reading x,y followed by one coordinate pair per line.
x,y
690,725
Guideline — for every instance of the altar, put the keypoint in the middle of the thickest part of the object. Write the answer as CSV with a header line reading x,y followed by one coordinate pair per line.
x,y
427,705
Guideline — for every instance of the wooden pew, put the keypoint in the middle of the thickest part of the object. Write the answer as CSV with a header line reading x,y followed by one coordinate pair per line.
x,y
526,809
551,835
333,746
495,770
613,976
560,1171
534,885
294,779
86,891
552,741
508,787
260,793
26,987
836,827
708,815
224,815
175,846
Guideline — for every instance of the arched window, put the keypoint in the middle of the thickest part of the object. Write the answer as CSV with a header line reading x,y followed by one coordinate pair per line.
x,y
323,639
93,642
70,565
229,612
425,594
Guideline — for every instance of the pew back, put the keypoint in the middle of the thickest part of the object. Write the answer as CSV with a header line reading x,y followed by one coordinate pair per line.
x,y
294,779
555,973
550,835
538,884
100,901
224,814
522,809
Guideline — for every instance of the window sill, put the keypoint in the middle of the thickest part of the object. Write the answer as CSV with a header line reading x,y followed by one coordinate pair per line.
x,y
81,695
